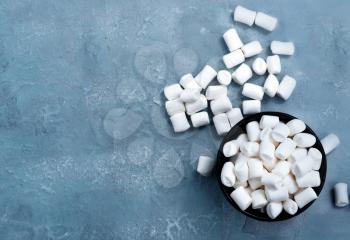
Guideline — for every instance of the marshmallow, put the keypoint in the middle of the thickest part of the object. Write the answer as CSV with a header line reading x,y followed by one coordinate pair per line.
x,y
255,183
179,122
282,48
341,196
253,91
282,168
273,64
234,116
271,85
174,106
232,40
286,87
280,132
276,194
303,166
253,131
255,167
220,105
290,183
265,21
228,177
214,92
330,142
316,155
234,58
251,106
250,149
173,91
304,140
190,95
265,135
310,179
239,184
205,165
224,77
258,199
242,74
241,169
244,15
296,126
259,66
269,164
230,148
285,149
221,123
197,106
304,197
298,154
267,151
251,49
242,138
268,121
271,180
200,119
274,209
205,76
187,81
241,198
290,206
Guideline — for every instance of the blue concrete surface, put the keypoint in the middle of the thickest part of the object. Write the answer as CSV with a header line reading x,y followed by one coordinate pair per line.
x,y
86,149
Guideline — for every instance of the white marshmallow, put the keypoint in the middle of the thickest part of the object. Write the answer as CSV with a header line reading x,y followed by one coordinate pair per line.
x,y
179,122
220,105
174,106
251,106
296,126
285,149
258,199
200,119
251,49
316,155
271,180
303,166
242,138
234,58
232,40
290,183
205,165
242,74
250,149
330,142
274,209
214,92
271,85
268,121
197,106
269,164
244,15
173,91
286,87
190,95
228,177
205,76
241,168
221,123
255,183
224,77
273,64
298,154
276,194
341,196
230,148
267,151
290,206
304,197
187,81
310,179
253,131
240,184
253,91
259,66
234,116
255,167
282,48
304,140
241,198
280,132
265,135
282,168
265,21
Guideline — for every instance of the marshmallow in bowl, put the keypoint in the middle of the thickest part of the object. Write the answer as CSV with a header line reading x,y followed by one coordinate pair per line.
x,y
282,48
268,121
341,196
173,91
265,21
241,169
310,179
200,119
276,194
285,149
299,153
241,198
304,140
253,131
197,106
304,197
255,183
258,199
179,122
205,165
271,180
253,91
267,151
174,106
190,95
296,126
233,59
221,104
187,81
232,40
259,66
230,148
214,92
274,209
251,49
290,183
271,85
228,177
224,77
290,206
234,116
282,168
280,132
242,74
251,106
330,142
273,64
316,156
221,123
265,135
256,168
244,15
205,76
250,149
303,166
286,87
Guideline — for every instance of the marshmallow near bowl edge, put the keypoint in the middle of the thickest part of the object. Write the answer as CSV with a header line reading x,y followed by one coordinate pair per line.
x,y
240,128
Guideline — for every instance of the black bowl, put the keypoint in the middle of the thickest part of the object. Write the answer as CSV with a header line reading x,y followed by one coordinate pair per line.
x,y
221,159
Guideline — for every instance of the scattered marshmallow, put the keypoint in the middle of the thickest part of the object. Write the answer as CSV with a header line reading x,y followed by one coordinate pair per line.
x,y
255,167
330,142
173,91
253,131
304,140
174,106
190,95
280,132
250,149
232,40
234,116
241,198
265,21
221,123
258,199
296,126
274,209
267,151
273,64
310,179
271,85
220,105
276,194
268,121
259,66
290,183
282,168
285,149
200,119
251,49
341,196
234,58
244,15
253,91
230,148
179,122
286,87
242,74
228,177
271,180
197,106
224,77
304,197
214,92
205,76
187,81
251,106
205,165
290,206
316,156
282,48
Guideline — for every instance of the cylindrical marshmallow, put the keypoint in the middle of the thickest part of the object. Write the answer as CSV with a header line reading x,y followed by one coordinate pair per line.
x,y
271,85
197,106
190,95
286,87
267,151
214,92
230,148
253,131
221,123
304,197
316,155
228,177
255,167
241,169
296,126
255,183
242,74
265,21
200,119
290,206
234,58
285,149
174,106
251,106
273,64
280,132
282,48
303,166
220,105
304,140
173,91
224,77
330,142
282,168
251,49
242,138
274,209
244,15
290,183
250,149
298,154
241,198
259,66
258,199
268,121
205,165
253,91
310,179
205,76
341,196
269,164
187,81
276,194
234,116
271,180
179,122
232,40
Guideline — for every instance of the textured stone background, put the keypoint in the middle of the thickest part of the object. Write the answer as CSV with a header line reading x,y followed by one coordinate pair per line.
x,y
86,149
